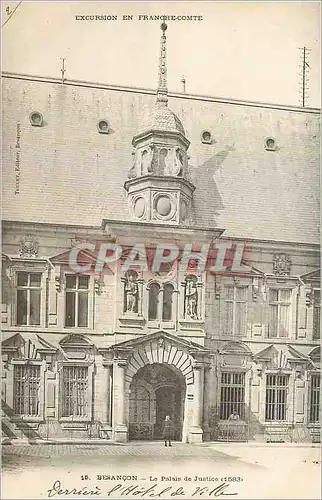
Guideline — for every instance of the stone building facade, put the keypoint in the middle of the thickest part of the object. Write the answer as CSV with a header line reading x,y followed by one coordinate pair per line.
x,y
232,353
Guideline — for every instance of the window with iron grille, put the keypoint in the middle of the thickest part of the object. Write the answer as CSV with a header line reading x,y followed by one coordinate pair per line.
x,y
76,300
279,310
316,314
276,397
75,391
314,415
232,395
28,298
26,380
235,310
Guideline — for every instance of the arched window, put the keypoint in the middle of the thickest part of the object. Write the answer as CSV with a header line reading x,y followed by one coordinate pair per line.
x,y
167,302
154,301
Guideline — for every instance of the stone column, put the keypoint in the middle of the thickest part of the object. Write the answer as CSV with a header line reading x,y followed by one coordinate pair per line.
x,y
120,428
195,432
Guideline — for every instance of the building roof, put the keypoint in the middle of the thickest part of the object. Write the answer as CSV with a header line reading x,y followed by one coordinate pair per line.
x,y
65,172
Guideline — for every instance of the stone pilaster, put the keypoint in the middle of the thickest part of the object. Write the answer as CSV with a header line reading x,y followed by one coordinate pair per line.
x,y
120,427
206,404
195,432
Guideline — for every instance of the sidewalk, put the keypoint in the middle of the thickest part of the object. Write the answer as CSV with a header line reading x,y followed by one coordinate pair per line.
x,y
110,442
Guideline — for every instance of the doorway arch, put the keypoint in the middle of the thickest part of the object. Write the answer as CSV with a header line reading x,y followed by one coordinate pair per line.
x,y
156,390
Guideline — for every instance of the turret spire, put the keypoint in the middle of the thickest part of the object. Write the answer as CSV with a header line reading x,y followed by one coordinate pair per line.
x,y
162,92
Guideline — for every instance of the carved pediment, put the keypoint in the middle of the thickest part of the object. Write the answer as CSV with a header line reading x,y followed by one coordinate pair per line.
x,y
315,356
83,257
159,337
281,357
76,347
311,276
73,340
27,346
235,348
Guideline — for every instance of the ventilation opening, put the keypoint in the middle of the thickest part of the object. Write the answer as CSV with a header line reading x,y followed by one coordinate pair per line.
x,y
36,119
103,127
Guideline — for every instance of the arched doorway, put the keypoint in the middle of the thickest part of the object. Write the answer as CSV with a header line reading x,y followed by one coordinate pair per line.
x,y
156,390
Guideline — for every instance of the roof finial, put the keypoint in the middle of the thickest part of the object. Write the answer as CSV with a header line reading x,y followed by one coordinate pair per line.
x,y
162,93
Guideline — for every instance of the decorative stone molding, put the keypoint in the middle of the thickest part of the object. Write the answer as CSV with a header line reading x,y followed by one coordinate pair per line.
x,y
282,264
99,285
29,247
255,289
58,283
309,297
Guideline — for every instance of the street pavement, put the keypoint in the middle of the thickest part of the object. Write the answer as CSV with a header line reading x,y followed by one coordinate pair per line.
x,y
265,472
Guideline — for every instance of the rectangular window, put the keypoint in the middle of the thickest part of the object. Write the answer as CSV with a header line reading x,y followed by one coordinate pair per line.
x,y
276,397
26,380
28,298
316,314
76,301
232,395
279,310
75,391
314,415
235,310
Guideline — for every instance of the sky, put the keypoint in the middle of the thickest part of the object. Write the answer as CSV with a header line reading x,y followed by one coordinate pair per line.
x,y
240,50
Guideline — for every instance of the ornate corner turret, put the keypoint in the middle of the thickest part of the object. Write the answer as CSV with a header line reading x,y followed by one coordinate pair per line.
x,y
157,186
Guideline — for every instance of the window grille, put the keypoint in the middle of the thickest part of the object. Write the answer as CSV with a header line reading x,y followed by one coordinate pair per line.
x,y
26,390
279,310
76,301
276,397
28,298
75,391
235,310
316,314
232,395
314,415
140,405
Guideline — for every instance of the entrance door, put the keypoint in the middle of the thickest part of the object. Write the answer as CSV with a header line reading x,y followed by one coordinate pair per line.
x,y
168,402
156,391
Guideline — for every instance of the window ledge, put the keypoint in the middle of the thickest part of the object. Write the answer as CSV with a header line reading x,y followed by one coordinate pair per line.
x,y
192,324
80,420
278,423
17,419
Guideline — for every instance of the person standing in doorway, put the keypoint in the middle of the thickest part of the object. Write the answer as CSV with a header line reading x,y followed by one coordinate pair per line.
x,y
167,430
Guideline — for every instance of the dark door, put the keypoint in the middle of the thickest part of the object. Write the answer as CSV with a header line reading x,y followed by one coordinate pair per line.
x,y
168,402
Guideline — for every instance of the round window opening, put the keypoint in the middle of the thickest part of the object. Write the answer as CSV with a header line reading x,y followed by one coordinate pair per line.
x,y
36,119
270,144
103,127
206,137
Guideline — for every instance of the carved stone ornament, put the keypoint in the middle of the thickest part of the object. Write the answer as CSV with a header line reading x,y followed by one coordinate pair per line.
x,y
98,285
29,246
282,264
58,284
308,297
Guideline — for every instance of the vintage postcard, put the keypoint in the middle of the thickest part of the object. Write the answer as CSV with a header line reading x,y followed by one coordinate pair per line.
x,y
160,250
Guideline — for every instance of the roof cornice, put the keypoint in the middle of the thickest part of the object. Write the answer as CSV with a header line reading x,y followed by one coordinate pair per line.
x,y
141,90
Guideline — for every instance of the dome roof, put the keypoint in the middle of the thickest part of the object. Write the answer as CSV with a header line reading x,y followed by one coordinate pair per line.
x,y
161,118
